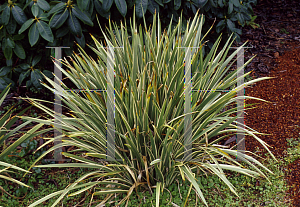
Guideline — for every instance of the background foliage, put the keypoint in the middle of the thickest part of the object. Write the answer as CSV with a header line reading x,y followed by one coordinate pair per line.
x,y
28,26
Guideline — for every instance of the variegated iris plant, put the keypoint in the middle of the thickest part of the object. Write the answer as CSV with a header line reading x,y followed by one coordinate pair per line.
x,y
149,112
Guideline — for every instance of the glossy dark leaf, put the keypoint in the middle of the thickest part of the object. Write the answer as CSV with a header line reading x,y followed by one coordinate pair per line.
x,y
11,26
122,7
33,34
100,10
45,31
43,5
220,26
4,82
19,15
235,2
58,19
153,6
23,75
177,4
240,17
19,50
5,70
82,4
82,16
200,3
36,60
10,43
230,25
80,41
62,31
230,8
57,8
74,25
35,78
107,4
141,7
26,25
48,73
35,10
5,15
24,66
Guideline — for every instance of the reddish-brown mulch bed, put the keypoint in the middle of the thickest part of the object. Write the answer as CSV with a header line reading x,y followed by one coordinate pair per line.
x,y
280,117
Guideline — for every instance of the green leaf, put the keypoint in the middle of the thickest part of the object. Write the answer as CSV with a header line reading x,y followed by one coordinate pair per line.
x,y
220,26
82,16
11,27
81,41
82,4
26,25
19,51
35,10
230,7
201,3
23,75
57,8
10,43
213,4
106,5
2,7
33,34
160,2
19,15
58,19
28,83
43,5
5,15
4,82
122,7
221,4
61,32
100,10
241,19
24,66
235,3
45,31
36,60
48,73
5,70
18,37
36,76
230,25
177,4
74,25
153,6
141,7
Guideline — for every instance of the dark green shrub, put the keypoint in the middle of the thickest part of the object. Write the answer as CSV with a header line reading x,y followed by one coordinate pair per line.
x,y
28,26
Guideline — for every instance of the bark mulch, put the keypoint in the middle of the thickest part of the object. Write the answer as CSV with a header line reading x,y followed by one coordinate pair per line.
x,y
280,117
